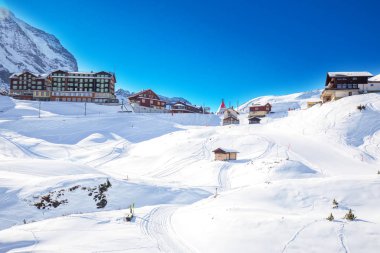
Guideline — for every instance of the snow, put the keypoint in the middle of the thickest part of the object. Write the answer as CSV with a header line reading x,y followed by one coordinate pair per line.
x,y
281,104
336,74
374,79
274,198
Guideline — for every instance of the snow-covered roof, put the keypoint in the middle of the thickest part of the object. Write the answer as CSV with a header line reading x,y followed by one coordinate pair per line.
x,y
34,74
226,150
339,74
374,79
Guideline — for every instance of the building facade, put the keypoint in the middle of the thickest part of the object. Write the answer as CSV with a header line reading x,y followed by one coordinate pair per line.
x,y
147,101
29,86
230,117
254,120
373,84
343,84
59,85
222,154
260,110
181,107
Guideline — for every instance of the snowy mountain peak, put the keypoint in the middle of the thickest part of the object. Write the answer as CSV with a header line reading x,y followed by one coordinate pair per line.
x,y
24,47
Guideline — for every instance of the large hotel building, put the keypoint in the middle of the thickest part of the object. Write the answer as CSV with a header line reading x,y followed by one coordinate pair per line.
x,y
59,85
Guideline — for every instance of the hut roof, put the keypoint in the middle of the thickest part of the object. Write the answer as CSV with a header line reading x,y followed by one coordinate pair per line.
x,y
225,150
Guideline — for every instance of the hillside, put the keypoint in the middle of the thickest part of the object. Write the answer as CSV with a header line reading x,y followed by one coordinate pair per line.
x,y
285,102
24,47
274,198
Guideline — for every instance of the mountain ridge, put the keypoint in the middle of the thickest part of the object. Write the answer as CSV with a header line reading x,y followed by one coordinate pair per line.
x,y
25,47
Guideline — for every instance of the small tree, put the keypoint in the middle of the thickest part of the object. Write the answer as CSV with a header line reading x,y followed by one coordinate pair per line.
x,y
378,172
350,216
330,218
361,107
335,204
108,183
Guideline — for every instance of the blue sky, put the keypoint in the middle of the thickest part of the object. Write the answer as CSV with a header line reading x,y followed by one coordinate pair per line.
x,y
208,50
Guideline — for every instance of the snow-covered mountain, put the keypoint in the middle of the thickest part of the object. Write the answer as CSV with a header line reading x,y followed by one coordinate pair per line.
x,y
122,94
24,47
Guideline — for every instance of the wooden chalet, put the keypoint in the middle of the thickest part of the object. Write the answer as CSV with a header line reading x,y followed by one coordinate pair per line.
x,y
223,154
230,117
147,99
260,110
343,84
254,120
181,107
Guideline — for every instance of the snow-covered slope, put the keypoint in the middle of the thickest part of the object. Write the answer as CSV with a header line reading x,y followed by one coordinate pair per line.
x,y
284,103
274,198
24,47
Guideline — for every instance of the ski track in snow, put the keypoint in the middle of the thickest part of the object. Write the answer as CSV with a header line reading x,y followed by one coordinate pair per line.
x,y
176,166
342,238
223,178
158,226
295,236
116,152
23,149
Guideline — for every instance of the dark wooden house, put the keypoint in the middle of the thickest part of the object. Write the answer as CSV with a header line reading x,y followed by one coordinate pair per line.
x,y
260,110
148,99
181,107
254,120
343,84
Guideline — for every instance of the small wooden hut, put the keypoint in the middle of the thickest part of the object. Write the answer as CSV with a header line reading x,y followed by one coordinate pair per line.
x,y
223,154
254,120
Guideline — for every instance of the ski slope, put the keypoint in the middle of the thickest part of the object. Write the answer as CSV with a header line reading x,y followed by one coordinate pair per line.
x,y
274,198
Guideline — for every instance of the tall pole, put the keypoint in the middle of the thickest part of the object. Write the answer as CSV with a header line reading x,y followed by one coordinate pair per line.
x,y
39,109
85,108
